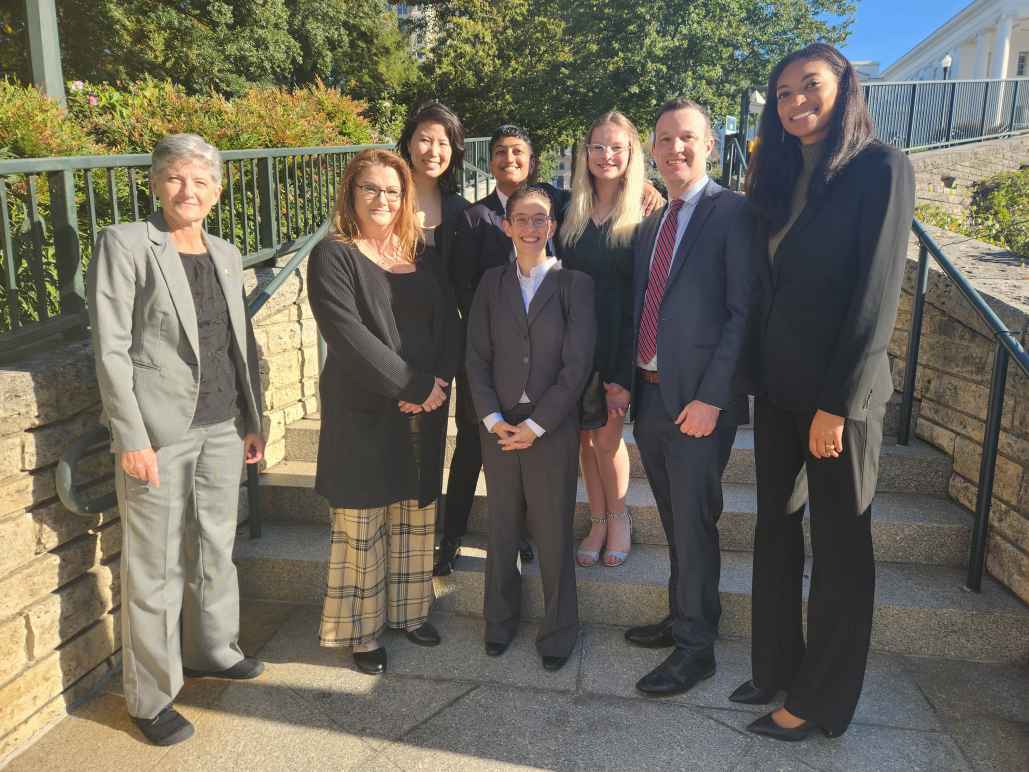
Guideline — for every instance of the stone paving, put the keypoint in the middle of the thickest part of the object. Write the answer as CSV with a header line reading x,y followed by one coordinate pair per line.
x,y
454,708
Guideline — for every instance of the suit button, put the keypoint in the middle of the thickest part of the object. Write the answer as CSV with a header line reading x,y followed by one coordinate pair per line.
x,y
525,360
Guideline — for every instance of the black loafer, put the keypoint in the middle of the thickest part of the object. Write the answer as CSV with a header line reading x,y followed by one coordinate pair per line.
x,y
246,668
446,558
766,727
426,635
554,663
656,636
371,662
677,674
166,728
496,648
526,551
752,694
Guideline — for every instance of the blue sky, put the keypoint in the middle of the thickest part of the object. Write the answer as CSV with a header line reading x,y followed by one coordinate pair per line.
x,y
885,30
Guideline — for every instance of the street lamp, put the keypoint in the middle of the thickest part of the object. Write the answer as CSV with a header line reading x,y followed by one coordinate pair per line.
x,y
948,60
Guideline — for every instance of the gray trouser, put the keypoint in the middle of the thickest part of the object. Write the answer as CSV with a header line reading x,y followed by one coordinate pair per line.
x,y
176,566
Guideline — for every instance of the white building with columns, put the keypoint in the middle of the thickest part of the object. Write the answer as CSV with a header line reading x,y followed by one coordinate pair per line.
x,y
988,39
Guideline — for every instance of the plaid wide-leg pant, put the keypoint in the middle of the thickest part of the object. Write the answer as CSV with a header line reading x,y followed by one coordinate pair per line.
x,y
380,571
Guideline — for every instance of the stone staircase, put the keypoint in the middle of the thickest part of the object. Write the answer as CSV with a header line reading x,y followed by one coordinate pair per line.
x,y
921,541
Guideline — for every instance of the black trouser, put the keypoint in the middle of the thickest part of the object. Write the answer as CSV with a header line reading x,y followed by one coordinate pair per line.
x,y
823,678
533,487
465,465
685,474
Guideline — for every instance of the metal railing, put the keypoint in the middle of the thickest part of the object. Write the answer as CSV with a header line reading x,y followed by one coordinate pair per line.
x,y
1008,347
734,162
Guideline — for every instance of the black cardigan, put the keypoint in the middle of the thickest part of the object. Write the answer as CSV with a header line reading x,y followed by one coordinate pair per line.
x,y
828,302
366,454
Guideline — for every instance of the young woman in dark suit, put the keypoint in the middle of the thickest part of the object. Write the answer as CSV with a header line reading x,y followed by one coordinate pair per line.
x,y
393,337
836,208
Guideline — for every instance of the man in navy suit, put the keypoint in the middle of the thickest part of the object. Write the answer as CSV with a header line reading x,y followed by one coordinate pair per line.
x,y
692,286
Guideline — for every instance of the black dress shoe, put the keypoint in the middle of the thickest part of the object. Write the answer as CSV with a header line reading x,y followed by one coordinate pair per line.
x,y
496,648
246,668
554,663
526,551
446,558
657,636
767,727
752,694
371,662
166,728
677,674
426,635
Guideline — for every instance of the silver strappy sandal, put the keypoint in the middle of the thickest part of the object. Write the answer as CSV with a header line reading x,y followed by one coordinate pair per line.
x,y
589,558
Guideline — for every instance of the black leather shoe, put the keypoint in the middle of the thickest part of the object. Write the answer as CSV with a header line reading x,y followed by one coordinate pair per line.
x,y
677,674
554,663
766,727
166,728
446,558
371,662
246,668
426,635
496,648
658,636
526,551
752,694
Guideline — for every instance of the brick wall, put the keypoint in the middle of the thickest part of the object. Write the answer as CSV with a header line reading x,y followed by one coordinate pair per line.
x,y
59,580
955,364
944,178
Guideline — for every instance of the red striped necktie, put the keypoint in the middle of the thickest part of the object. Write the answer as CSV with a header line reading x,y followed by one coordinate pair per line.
x,y
663,252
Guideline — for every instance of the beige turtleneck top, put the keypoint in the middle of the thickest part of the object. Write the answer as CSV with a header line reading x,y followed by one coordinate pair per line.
x,y
811,155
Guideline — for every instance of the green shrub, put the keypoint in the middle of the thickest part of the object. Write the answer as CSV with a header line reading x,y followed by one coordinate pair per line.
x,y
31,125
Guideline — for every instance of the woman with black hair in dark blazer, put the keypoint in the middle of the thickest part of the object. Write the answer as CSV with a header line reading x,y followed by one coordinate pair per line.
x,y
835,207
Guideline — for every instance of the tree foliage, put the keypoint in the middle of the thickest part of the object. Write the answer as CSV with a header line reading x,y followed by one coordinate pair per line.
x,y
553,65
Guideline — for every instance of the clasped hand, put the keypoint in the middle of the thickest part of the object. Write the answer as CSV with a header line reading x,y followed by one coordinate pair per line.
x,y
511,437
436,398
617,399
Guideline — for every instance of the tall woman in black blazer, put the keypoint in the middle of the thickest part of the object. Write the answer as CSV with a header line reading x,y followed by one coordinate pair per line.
x,y
836,208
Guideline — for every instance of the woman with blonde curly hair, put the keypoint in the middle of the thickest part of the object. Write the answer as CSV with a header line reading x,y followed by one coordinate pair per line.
x,y
596,238
393,339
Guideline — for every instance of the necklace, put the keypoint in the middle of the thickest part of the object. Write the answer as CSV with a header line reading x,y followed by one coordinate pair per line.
x,y
386,258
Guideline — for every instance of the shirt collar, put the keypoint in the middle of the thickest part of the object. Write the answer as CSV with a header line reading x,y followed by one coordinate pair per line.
x,y
503,199
537,270
691,195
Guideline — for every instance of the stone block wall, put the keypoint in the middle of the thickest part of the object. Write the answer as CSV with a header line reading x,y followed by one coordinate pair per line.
x,y
955,364
945,177
59,572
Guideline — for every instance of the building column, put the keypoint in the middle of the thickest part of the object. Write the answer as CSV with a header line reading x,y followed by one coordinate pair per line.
x,y
45,48
1002,48
981,46
955,64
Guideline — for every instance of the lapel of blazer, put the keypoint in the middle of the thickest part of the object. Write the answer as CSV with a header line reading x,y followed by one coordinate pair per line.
x,y
496,214
546,291
700,214
511,292
223,259
175,277
807,216
641,268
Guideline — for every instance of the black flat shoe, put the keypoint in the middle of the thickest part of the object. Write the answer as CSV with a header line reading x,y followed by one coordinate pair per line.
x,y
752,694
677,674
246,668
426,635
495,648
766,727
446,558
656,636
554,663
371,662
526,551
166,728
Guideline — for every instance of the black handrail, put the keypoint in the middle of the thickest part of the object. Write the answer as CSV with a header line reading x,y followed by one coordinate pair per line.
x,y
1008,347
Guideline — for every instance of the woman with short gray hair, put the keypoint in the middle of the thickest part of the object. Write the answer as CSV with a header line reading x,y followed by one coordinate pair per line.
x,y
176,365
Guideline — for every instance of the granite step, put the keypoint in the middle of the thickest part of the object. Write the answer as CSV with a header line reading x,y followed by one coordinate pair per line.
x,y
915,468
905,527
920,610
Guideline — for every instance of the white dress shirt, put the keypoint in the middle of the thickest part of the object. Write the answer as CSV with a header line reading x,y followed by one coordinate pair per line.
x,y
529,285
690,197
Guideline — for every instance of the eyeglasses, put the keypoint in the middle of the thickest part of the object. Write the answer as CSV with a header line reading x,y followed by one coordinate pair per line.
x,y
524,221
602,150
372,192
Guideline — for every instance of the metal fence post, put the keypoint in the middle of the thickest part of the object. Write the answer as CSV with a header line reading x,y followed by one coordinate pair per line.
x,y
987,466
911,115
268,209
914,340
950,113
65,219
986,106
1014,105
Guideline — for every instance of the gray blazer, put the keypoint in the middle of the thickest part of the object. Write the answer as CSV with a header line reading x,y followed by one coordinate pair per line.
x,y
145,338
546,353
